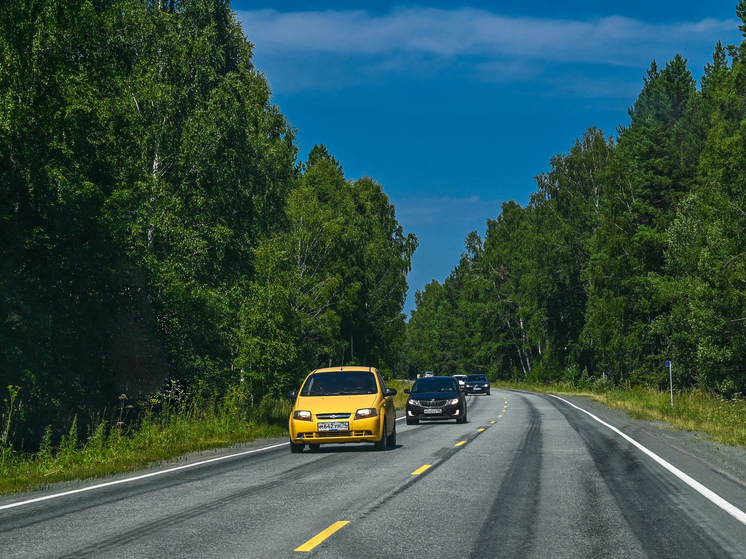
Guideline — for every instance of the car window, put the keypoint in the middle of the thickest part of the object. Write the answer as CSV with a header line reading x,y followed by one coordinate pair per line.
x,y
435,384
344,383
476,377
382,382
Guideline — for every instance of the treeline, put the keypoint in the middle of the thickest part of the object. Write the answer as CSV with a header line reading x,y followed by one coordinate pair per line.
x,y
156,224
631,253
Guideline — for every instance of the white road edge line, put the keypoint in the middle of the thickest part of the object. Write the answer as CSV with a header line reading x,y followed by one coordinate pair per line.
x,y
735,512
137,478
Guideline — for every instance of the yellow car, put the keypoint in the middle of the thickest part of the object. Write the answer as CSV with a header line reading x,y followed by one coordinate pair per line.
x,y
343,405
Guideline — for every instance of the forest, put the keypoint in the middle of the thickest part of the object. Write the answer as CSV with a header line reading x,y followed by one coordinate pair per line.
x,y
157,228
159,231
631,253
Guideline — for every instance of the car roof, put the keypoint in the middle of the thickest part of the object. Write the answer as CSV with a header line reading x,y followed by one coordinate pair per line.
x,y
346,369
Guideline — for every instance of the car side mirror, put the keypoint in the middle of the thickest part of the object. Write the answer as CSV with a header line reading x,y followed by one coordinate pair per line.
x,y
291,395
407,391
389,392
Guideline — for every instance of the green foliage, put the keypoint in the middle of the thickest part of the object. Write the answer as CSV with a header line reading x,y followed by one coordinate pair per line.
x,y
161,434
331,288
156,224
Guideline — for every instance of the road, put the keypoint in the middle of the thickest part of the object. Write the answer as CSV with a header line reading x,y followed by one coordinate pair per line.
x,y
529,476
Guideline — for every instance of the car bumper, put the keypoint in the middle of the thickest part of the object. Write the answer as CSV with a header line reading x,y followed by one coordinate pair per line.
x,y
452,412
360,430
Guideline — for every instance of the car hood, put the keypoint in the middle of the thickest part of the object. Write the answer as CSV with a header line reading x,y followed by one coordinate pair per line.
x,y
433,395
334,404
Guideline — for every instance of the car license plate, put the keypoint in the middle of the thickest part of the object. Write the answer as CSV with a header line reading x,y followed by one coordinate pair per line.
x,y
334,426
431,410
477,388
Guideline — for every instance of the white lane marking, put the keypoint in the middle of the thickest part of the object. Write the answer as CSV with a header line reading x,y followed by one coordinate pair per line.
x,y
137,478
735,512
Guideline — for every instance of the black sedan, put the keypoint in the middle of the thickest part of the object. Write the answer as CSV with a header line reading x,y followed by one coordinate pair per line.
x,y
477,384
435,398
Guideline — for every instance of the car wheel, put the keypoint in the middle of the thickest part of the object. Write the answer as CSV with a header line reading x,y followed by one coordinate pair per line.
x,y
381,445
295,448
461,419
412,421
314,446
392,437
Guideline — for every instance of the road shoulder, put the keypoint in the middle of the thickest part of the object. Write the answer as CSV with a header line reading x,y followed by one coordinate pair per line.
x,y
721,468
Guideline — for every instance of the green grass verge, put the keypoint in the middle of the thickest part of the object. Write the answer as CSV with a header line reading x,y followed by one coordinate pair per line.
x,y
724,421
155,439
400,399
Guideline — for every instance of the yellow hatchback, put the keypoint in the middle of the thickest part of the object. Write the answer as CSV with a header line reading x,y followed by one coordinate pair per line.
x,y
343,405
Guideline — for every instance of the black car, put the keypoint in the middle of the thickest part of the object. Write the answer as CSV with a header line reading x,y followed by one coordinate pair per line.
x,y
435,398
477,384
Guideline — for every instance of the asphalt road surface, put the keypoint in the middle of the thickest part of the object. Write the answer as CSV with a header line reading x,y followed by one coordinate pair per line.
x,y
529,475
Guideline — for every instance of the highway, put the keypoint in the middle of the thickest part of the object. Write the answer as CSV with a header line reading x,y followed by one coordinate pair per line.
x,y
529,476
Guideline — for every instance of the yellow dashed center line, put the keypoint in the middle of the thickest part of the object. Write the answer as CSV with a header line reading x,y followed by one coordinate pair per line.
x,y
461,443
480,430
418,471
313,542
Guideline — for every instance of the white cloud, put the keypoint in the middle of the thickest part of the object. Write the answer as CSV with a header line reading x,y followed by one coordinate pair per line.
x,y
465,32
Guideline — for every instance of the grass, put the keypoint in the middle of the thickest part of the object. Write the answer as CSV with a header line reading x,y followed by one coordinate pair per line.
x,y
724,421
400,399
157,437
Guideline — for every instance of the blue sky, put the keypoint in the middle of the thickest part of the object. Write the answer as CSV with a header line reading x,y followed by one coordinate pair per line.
x,y
455,108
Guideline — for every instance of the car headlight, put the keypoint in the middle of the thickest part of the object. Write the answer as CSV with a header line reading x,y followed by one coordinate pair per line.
x,y
303,415
366,412
452,402
485,385
413,402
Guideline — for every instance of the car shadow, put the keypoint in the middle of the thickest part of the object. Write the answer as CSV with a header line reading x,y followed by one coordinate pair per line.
x,y
342,448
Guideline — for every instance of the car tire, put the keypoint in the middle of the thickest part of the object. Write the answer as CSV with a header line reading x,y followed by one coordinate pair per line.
x,y
461,419
296,448
314,446
391,441
381,445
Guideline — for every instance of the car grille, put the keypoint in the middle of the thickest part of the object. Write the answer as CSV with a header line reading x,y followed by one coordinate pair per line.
x,y
333,415
433,403
334,434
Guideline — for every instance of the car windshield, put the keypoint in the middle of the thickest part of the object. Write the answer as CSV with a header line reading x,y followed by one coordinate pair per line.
x,y
340,383
434,384
477,377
